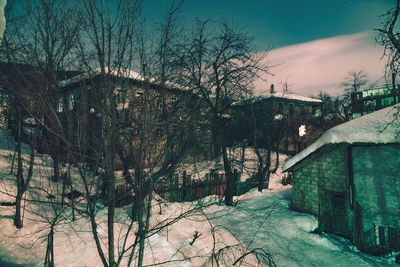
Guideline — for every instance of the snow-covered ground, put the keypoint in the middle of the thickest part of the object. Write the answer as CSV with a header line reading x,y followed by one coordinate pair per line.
x,y
259,220
245,162
264,220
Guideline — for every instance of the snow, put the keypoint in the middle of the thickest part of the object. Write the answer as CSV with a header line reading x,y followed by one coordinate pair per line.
x,y
123,73
264,220
379,127
198,170
258,220
290,96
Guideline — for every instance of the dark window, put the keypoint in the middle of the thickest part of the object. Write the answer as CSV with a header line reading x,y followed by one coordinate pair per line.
x,y
159,103
291,109
339,201
280,108
303,109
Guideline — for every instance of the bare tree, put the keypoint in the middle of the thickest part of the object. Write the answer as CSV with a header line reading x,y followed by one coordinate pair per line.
x,y
220,67
388,37
106,44
102,38
353,82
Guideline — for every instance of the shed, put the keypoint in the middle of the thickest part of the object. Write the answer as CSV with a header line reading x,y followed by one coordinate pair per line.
x,y
349,178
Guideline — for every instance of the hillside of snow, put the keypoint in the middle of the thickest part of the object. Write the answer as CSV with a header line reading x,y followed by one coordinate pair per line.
x,y
260,222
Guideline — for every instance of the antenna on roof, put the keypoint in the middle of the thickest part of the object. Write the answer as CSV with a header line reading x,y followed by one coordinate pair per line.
x,y
272,89
285,88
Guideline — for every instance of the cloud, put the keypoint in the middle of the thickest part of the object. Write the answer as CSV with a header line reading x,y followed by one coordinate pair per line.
x,y
321,65
2,17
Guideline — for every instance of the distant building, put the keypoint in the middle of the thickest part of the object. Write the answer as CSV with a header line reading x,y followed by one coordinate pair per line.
x,y
373,98
295,111
71,113
349,178
79,111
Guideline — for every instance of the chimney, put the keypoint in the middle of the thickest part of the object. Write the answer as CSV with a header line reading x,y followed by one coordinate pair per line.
x,y
272,89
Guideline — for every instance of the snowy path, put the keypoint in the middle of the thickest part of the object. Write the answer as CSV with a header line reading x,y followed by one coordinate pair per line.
x,y
286,234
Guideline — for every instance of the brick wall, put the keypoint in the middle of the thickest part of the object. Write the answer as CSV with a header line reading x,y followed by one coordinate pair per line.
x,y
377,184
316,177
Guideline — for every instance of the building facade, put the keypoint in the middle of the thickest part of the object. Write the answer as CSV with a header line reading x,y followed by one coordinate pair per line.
x,y
144,110
293,113
373,98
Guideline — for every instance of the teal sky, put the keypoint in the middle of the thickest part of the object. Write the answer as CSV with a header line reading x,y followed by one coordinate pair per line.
x,y
280,23
277,23
315,42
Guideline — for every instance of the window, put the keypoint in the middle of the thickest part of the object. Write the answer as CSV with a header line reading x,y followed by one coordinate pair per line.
x,y
71,102
60,105
302,109
339,201
159,103
291,109
388,101
280,108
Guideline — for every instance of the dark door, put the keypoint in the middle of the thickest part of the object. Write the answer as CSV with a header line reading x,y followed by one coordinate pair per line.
x,y
338,216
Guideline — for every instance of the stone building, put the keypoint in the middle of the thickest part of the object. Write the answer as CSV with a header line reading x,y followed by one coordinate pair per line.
x,y
349,179
294,111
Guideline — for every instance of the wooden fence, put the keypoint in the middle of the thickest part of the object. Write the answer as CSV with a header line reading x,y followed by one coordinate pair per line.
x,y
184,188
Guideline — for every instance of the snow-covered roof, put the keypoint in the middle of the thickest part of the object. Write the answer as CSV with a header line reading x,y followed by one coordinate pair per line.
x,y
379,127
283,95
74,79
122,73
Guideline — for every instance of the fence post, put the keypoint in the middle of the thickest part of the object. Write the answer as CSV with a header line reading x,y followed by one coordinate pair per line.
x,y
184,185
176,180
235,177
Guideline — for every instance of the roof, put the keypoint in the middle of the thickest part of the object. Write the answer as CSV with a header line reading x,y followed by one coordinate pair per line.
x,y
124,73
379,127
84,76
279,95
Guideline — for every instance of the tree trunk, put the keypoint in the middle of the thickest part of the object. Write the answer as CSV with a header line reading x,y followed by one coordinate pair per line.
x,y
215,136
230,179
49,259
20,179
56,169
18,213
144,222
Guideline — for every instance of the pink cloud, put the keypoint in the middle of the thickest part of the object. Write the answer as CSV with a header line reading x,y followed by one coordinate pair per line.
x,y
321,65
